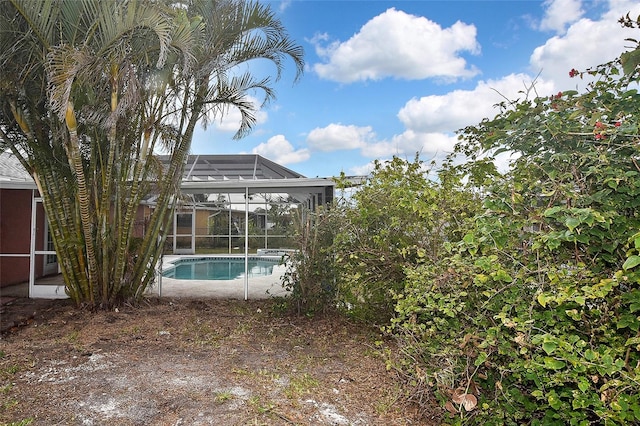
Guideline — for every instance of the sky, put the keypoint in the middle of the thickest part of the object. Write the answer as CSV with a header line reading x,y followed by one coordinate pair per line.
x,y
396,78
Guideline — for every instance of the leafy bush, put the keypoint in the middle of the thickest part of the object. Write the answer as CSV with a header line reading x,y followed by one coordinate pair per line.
x,y
391,221
558,346
532,317
310,275
524,307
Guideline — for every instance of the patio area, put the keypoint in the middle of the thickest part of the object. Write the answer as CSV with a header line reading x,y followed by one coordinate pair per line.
x,y
259,287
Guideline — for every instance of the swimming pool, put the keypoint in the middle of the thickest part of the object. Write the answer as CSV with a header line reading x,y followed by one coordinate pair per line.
x,y
220,268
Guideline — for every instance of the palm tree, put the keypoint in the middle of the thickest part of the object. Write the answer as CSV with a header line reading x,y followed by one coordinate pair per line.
x,y
91,89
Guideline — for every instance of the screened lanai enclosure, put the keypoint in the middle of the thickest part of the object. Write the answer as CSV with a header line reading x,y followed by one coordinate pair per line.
x,y
240,204
228,204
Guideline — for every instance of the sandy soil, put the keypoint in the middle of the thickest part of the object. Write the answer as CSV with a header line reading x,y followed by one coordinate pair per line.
x,y
191,362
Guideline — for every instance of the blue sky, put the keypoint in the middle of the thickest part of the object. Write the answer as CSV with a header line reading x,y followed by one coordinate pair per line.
x,y
387,78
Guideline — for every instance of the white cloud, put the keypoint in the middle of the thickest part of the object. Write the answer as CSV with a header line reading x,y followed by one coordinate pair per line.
x,y
560,13
338,136
430,121
408,143
585,44
231,119
400,45
284,5
362,170
280,150
460,108
597,42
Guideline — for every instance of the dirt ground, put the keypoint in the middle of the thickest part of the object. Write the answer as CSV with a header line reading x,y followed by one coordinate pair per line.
x,y
191,362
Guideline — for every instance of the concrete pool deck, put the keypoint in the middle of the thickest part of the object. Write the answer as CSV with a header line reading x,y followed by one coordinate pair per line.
x,y
259,287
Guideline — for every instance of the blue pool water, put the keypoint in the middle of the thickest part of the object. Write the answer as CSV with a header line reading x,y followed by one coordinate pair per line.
x,y
219,268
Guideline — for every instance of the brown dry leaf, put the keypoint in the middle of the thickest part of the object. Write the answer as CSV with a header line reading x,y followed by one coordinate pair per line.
x,y
521,339
469,401
457,395
450,408
466,339
473,388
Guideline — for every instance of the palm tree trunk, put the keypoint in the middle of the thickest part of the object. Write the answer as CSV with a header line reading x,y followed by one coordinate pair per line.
x,y
83,198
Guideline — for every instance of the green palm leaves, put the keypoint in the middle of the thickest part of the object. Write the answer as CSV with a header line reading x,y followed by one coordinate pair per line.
x,y
92,88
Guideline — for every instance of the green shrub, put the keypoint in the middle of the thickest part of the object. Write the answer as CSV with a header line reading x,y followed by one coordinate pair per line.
x,y
311,275
533,316
566,353
394,219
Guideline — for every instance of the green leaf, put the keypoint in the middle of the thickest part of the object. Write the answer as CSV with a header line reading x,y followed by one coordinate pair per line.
x,y
583,384
552,211
537,393
549,347
630,61
502,275
628,321
572,223
631,262
468,238
589,355
554,364
553,400
543,299
633,341
573,314
482,357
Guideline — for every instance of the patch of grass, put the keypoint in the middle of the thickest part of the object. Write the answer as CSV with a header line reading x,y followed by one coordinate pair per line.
x,y
300,385
262,375
243,329
7,405
260,406
222,397
10,369
6,388
390,400
133,330
23,422
241,371
280,306
202,333
73,337
263,372
130,331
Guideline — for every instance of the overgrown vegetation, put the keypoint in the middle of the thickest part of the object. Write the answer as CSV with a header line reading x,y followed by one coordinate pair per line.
x,y
311,271
91,90
389,224
514,296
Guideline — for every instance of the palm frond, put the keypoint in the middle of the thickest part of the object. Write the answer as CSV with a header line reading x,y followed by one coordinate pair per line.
x,y
41,17
63,64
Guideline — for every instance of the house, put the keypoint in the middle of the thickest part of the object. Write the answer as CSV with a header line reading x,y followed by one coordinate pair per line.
x,y
25,243
229,203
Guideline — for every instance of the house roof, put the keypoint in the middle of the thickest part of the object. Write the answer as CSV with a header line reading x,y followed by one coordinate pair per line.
x,y
233,167
12,174
208,174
